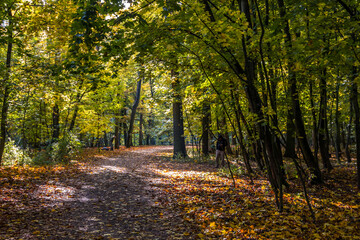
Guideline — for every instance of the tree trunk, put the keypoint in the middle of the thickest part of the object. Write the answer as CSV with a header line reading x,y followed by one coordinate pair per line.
x,y
73,119
355,104
323,136
290,136
299,124
117,130
337,126
178,122
243,150
56,123
141,130
314,125
133,112
226,134
348,138
205,122
124,125
6,84
106,141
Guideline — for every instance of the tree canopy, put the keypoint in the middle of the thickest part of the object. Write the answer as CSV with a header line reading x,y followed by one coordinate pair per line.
x,y
279,79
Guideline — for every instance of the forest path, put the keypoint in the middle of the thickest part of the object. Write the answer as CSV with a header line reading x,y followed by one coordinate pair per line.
x,y
119,197
118,200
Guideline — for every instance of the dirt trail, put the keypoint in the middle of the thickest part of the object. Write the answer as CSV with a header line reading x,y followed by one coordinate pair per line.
x,y
117,198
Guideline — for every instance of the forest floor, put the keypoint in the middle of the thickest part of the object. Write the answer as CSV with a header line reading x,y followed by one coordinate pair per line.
x,y
142,193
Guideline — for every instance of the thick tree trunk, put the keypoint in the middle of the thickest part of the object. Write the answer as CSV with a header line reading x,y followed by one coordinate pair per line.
x,y
4,112
355,104
301,136
337,126
290,136
133,112
178,122
315,141
323,136
6,93
73,119
205,122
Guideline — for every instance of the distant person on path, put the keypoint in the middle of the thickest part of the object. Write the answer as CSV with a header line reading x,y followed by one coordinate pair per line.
x,y
220,151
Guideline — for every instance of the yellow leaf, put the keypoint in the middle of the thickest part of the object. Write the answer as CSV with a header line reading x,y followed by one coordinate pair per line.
x,y
213,225
201,236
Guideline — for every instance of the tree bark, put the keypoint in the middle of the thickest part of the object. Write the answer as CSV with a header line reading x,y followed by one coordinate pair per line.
x,y
355,104
314,125
348,137
56,122
133,112
323,136
117,130
5,102
205,122
337,126
124,125
178,122
299,124
141,130
290,136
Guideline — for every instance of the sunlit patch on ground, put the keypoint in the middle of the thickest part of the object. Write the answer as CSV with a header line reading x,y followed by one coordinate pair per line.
x,y
55,192
114,168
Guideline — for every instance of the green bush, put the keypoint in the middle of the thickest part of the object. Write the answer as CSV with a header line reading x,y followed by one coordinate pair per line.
x,y
59,152
13,155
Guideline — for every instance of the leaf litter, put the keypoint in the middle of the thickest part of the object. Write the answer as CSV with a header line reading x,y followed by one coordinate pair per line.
x,y
141,193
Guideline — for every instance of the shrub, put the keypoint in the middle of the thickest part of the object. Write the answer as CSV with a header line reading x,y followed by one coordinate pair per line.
x,y
59,152
13,155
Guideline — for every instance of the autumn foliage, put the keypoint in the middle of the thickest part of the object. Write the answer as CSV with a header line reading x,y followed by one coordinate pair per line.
x,y
31,198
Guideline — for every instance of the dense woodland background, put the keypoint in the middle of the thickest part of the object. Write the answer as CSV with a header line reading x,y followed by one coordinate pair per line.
x,y
278,78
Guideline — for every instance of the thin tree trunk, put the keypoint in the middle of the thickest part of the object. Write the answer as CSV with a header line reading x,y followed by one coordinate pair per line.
x,y
133,112
106,142
117,130
141,130
314,125
348,138
337,126
243,150
56,122
299,124
225,133
124,126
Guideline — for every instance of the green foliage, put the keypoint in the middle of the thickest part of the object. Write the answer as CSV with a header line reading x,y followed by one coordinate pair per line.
x,y
236,170
61,151
65,149
15,156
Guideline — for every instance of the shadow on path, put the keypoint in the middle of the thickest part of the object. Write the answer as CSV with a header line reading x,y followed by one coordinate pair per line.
x,y
114,199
